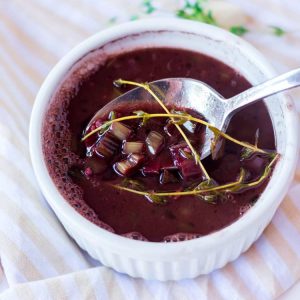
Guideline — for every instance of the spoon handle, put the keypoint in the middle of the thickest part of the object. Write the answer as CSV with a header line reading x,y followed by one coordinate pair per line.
x,y
278,84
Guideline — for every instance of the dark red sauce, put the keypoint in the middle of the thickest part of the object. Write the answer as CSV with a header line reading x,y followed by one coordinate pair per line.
x,y
83,93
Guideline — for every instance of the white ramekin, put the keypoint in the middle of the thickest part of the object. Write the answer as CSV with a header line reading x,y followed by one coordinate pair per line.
x,y
166,261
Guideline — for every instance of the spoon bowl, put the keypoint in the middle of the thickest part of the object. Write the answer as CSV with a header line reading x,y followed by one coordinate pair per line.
x,y
178,92
197,95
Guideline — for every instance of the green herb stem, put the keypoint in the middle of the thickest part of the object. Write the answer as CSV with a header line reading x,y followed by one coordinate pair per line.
x,y
187,117
225,187
125,118
184,193
266,173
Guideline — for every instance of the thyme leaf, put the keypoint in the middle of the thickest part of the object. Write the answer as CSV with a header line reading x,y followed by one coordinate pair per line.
x,y
179,121
196,12
103,128
238,30
134,17
149,7
144,115
210,198
133,184
246,153
112,115
156,199
210,187
206,184
278,31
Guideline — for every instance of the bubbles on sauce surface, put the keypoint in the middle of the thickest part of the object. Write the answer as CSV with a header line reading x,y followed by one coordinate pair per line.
x,y
135,236
180,237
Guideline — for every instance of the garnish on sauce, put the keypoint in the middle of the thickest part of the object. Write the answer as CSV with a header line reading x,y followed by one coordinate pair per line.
x,y
113,134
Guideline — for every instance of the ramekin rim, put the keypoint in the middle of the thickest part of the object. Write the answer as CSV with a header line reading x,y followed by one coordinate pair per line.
x,y
55,198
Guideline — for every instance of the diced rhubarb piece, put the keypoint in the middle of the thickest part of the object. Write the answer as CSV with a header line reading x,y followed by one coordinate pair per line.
x,y
189,170
154,142
180,152
129,165
184,160
136,159
120,131
133,147
190,126
167,176
107,145
154,166
123,167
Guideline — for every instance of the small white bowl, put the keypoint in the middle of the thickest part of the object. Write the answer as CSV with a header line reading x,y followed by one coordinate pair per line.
x,y
167,261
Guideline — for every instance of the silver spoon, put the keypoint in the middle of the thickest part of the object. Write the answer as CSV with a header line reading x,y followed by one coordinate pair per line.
x,y
194,94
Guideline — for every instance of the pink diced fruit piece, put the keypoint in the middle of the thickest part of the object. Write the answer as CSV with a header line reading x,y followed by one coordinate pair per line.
x,y
184,160
88,172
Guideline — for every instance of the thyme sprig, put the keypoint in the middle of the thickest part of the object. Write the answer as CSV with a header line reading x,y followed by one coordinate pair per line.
x,y
236,186
147,87
186,117
278,31
207,190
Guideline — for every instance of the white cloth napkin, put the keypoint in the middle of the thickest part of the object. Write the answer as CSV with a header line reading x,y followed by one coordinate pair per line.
x,y
38,259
